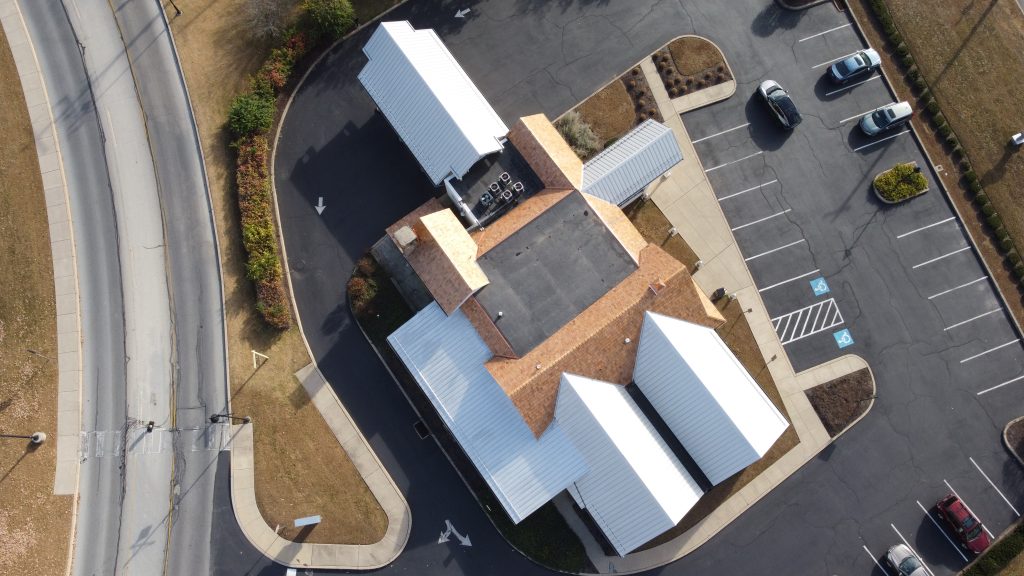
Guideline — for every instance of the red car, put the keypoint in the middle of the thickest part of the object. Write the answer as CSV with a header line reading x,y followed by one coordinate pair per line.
x,y
967,528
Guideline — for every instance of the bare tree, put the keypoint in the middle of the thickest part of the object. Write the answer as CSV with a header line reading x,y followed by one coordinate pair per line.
x,y
267,18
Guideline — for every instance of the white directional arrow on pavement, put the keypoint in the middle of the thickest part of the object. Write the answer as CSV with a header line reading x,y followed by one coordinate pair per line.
x,y
449,530
320,206
462,13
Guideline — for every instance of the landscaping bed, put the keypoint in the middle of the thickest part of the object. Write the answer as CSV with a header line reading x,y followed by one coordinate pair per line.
x,y
611,112
1015,438
689,64
1005,557
900,183
656,229
838,403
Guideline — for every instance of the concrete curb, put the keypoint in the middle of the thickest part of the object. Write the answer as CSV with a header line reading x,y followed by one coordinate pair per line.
x,y
788,6
64,257
709,95
1006,441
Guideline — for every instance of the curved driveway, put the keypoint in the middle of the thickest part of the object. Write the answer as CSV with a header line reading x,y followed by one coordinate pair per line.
x,y
532,56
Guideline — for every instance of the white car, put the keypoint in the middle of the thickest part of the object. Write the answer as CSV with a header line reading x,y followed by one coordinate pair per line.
x,y
854,66
904,562
886,118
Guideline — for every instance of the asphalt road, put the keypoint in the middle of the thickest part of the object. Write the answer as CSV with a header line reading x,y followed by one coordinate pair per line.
x,y
929,431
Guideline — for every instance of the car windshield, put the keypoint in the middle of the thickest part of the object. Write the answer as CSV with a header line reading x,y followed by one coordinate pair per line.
x,y
909,564
969,522
845,66
972,534
881,118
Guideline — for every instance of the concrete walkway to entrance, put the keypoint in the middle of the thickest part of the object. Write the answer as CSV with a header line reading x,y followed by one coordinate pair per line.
x,y
686,198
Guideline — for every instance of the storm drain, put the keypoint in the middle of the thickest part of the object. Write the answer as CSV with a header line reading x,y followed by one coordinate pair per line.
x,y
421,429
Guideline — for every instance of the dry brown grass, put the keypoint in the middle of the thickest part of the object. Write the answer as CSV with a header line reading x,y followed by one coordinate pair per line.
x,y
34,524
692,55
841,401
609,112
655,227
296,474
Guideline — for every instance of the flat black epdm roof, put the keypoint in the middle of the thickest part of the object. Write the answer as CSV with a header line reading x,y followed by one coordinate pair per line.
x,y
549,271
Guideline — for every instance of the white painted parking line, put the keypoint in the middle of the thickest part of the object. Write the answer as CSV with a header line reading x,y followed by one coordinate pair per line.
x,y
875,560
825,32
720,133
861,115
832,61
932,225
742,226
758,187
712,169
793,279
955,288
800,241
854,85
941,531
870,144
926,567
998,386
979,355
933,260
973,513
990,312
994,487
807,321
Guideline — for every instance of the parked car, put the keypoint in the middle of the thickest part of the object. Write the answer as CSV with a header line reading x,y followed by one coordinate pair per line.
x,y
965,526
902,559
860,64
780,103
886,118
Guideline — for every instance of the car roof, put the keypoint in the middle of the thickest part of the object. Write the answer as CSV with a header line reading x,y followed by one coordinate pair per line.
x,y
955,507
901,109
789,109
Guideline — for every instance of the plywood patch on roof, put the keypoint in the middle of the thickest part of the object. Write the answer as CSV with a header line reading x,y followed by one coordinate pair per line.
x,y
546,151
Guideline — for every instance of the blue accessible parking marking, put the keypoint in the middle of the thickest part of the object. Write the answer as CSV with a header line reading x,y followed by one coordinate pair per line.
x,y
819,286
843,338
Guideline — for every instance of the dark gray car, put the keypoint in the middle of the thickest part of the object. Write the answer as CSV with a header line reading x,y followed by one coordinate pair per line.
x,y
780,104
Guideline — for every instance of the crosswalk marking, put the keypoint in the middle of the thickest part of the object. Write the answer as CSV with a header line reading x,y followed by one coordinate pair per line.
x,y
137,441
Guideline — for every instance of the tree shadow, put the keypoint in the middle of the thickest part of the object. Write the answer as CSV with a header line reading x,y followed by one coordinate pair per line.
x,y
996,172
963,45
774,18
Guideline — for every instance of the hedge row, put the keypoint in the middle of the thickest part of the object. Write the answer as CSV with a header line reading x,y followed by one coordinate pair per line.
x,y
999,555
250,119
1004,242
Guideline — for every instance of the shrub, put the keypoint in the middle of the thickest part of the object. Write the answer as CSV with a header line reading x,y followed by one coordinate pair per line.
x,y
330,19
366,266
361,291
251,114
939,119
957,151
1005,244
262,266
913,73
970,176
920,83
578,134
988,210
907,61
932,107
896,37
995,222
1018,271
1014,257
951,140
965,162
902,49
982,199
974,187
944,130
900,182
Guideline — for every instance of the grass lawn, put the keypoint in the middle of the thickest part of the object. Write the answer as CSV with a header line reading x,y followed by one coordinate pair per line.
x,y
296,474
692,55
34,524
609,112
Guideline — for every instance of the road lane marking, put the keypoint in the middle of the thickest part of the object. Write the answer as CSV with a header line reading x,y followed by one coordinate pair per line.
x,y
1011,342
848,86
833,61
712,169
800,241
998,386
964,285
742,226
939,223
825,32
941,531
807,321
948,328
719,133
926,567
973,513
994,487
793,279
869,144
875,560
933,260
759,186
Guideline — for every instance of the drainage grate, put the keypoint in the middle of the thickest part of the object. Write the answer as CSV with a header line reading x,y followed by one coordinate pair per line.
x,y
421,429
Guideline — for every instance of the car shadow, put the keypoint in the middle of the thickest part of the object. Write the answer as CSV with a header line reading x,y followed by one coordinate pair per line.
x,y
861,143
825,89
764,128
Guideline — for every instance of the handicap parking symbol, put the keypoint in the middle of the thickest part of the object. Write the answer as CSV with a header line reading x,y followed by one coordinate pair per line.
x,y
819,286
843,338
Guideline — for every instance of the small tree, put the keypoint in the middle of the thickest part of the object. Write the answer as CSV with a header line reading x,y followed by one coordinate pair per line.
x,y
330,18
578,134
251,114
266,18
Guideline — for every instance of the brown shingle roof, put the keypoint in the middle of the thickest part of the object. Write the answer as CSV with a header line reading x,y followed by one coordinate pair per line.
x,y
521,215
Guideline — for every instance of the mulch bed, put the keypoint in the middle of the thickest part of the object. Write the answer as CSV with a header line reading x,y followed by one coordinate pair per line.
x,y
640,92
1015,438
839,402
690,64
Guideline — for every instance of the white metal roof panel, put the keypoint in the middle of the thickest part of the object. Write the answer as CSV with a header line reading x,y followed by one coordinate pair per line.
x,y
446,356
699,388
430,101
636,488
621,171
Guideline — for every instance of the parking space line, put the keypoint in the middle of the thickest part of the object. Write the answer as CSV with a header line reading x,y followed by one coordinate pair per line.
x,y
926,567
875,560
869,144
939,223
833,61
941,531
712,169
973,513
933,260
998,386
966,284
806,322
992,484
742,226
848,86
800,241
719,133
948,328
793,279
759,186
825,32
1011,342
845,120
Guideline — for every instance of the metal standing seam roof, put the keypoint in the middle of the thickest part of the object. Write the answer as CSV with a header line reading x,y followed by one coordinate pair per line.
x,y
446,357
636,488
429,100
720,415
621,171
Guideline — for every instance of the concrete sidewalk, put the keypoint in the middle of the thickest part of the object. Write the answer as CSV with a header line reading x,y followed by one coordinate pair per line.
x,y
688,201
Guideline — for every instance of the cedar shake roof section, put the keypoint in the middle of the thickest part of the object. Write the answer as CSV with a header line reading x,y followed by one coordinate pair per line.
x,y
497,231
546,151
486,329
616,221
594,344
